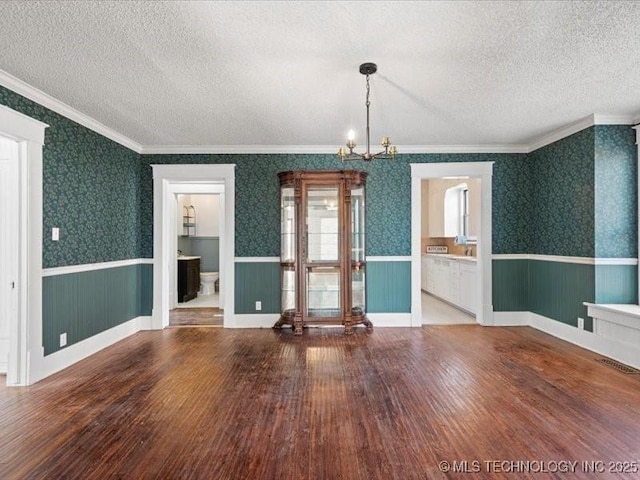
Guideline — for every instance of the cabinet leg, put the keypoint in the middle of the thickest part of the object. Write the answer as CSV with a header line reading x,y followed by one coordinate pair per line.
x,y
368,324
297,326
348,326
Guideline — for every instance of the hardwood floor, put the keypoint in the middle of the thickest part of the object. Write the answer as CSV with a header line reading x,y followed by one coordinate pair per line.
x,y
210,403
181,317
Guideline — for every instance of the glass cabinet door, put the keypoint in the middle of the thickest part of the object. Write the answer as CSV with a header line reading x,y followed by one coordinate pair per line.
x,y
288,291
323,292
323,224
288,226
357,224
357,291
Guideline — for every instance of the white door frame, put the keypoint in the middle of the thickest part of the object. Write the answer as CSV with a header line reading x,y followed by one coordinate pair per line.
x,y
26,354
9,228
483,171
168,180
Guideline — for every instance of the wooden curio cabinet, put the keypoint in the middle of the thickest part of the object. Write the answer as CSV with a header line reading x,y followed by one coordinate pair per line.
x,y
322,249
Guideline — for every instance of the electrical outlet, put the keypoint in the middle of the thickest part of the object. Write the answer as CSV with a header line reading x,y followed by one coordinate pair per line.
x,y
258,306
55,234
63,339
581,323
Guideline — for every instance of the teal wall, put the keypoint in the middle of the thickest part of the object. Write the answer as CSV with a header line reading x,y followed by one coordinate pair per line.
x,y
557,290
259,281
388,287
207,248
562,208
87,303
510,285
616,192
91,191
388,191
584,204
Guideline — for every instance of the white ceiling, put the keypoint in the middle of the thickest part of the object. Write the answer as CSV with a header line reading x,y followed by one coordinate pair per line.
x,y
286,73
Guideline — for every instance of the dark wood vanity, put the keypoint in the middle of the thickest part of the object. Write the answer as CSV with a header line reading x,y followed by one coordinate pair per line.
x,y
188,278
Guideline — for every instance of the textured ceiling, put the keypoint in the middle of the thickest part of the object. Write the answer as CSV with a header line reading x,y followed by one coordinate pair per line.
x,y
286,73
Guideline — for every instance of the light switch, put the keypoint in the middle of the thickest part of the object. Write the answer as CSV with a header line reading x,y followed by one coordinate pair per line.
x,y
55,234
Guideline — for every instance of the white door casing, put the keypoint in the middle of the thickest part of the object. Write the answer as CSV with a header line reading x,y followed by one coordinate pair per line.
x,y
8,244
26,354
483,171
169,180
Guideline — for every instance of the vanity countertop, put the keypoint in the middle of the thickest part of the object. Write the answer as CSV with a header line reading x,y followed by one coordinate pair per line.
x,y
460,258
187,257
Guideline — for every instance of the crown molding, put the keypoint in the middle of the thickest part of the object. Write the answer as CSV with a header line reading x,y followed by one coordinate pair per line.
x,y
575,127
507,148
237,149
321,149
22,88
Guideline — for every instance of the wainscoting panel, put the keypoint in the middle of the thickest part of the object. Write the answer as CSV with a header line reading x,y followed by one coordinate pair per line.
x,y
616,284
145,278
83,304
388,287
257,281
558,290
510,285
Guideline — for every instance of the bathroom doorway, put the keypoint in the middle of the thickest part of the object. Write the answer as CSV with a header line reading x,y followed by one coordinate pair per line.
x,y
199,257
192,184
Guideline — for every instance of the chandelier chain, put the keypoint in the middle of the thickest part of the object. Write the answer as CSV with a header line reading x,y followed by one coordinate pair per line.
x,y
367,103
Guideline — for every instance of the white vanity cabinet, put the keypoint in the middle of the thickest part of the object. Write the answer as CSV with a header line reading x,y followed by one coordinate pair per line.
x,y
451,278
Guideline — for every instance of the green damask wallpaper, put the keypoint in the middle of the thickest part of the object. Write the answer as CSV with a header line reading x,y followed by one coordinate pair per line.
x,y
616,191
90,191
563,197
388,199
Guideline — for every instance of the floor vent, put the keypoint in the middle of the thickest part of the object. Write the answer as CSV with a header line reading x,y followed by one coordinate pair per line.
x,y
621,367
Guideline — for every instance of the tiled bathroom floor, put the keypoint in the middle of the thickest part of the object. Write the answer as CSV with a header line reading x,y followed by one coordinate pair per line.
x,y
202,301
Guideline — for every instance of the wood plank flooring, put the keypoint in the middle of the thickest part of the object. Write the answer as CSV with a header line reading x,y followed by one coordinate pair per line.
x,y
211,403
180,317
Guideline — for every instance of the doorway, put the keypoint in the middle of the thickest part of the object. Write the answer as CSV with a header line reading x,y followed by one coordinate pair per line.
x,y
483,284
25,361
200,242
9,225
169,182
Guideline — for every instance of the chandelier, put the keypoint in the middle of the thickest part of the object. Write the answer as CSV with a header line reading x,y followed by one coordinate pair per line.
x,y
389,151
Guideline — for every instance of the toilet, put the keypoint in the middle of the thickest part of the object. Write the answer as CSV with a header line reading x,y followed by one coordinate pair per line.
x,y
208,282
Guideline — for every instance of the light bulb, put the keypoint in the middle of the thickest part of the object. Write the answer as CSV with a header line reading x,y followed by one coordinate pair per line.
x,y
351,136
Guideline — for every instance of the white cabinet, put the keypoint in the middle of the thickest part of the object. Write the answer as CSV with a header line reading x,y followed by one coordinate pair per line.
x,y
423,272
467,286
452,279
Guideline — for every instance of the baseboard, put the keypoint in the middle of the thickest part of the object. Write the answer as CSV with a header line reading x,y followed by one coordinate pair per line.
x,y
252,320
511,319
78,351
390,319
609,347
3,368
